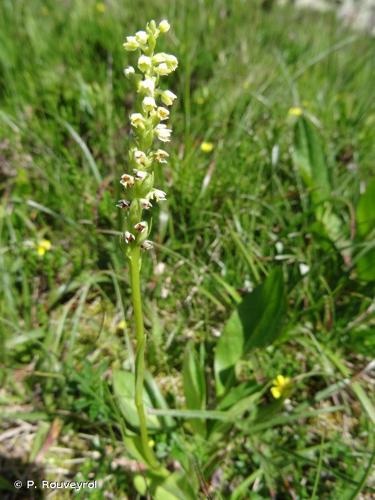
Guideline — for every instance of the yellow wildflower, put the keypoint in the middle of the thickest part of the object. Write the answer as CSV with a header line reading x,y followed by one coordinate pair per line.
x,y
151,443
101,7
43,247
295,111
280,387
207,147
121,325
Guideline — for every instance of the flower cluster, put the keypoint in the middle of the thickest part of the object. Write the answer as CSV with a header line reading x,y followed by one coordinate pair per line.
x,y
148,124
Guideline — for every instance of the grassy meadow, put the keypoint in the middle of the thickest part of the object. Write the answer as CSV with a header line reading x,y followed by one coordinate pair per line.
x,y
285,100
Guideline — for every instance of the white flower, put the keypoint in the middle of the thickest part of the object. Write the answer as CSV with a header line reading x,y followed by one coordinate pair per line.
x,y
144,63
123,204
140,174
145,203
129,237
163,133
147,86
164,26
141,37
163,113
168,60
148,104
131,43
127,180
140,157
158,195
161,156
168,97
140,227
147,245
162,69
137,120
129,71
303,269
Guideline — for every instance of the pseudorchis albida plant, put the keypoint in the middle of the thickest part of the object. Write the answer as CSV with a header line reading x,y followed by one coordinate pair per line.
x,y
150,131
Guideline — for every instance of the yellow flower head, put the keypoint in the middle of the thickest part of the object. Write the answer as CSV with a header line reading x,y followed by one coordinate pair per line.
x,y
280,386
207,147
101,7
295,111
43,246
121,325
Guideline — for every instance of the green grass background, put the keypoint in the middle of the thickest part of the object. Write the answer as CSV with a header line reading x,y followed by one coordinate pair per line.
x,y
64,133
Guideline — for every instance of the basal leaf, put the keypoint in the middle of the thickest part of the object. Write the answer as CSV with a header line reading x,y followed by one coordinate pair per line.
x,y
194,384
255,323
123,387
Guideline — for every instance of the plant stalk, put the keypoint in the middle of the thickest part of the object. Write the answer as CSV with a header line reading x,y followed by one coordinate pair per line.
x,y
135,264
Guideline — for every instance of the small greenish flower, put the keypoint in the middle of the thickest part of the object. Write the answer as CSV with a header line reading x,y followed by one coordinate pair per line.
x,y
131,43
164,26
281,386
168,97
137,120
163,132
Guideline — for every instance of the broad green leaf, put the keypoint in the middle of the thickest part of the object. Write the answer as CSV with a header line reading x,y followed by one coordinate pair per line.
x,y
194,384
123,387
255,323
365,229
309,159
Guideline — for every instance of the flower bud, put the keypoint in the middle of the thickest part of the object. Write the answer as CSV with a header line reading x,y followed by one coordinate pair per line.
x,y
164,26
131,44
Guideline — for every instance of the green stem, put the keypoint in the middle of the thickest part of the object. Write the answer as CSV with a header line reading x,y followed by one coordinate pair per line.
x,y
135,264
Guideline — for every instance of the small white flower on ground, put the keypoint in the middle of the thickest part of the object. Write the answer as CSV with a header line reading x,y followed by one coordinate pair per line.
x,y
303,269
131,43
163,133
167,97
144,63
137,120
164,26
148,104
279,247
